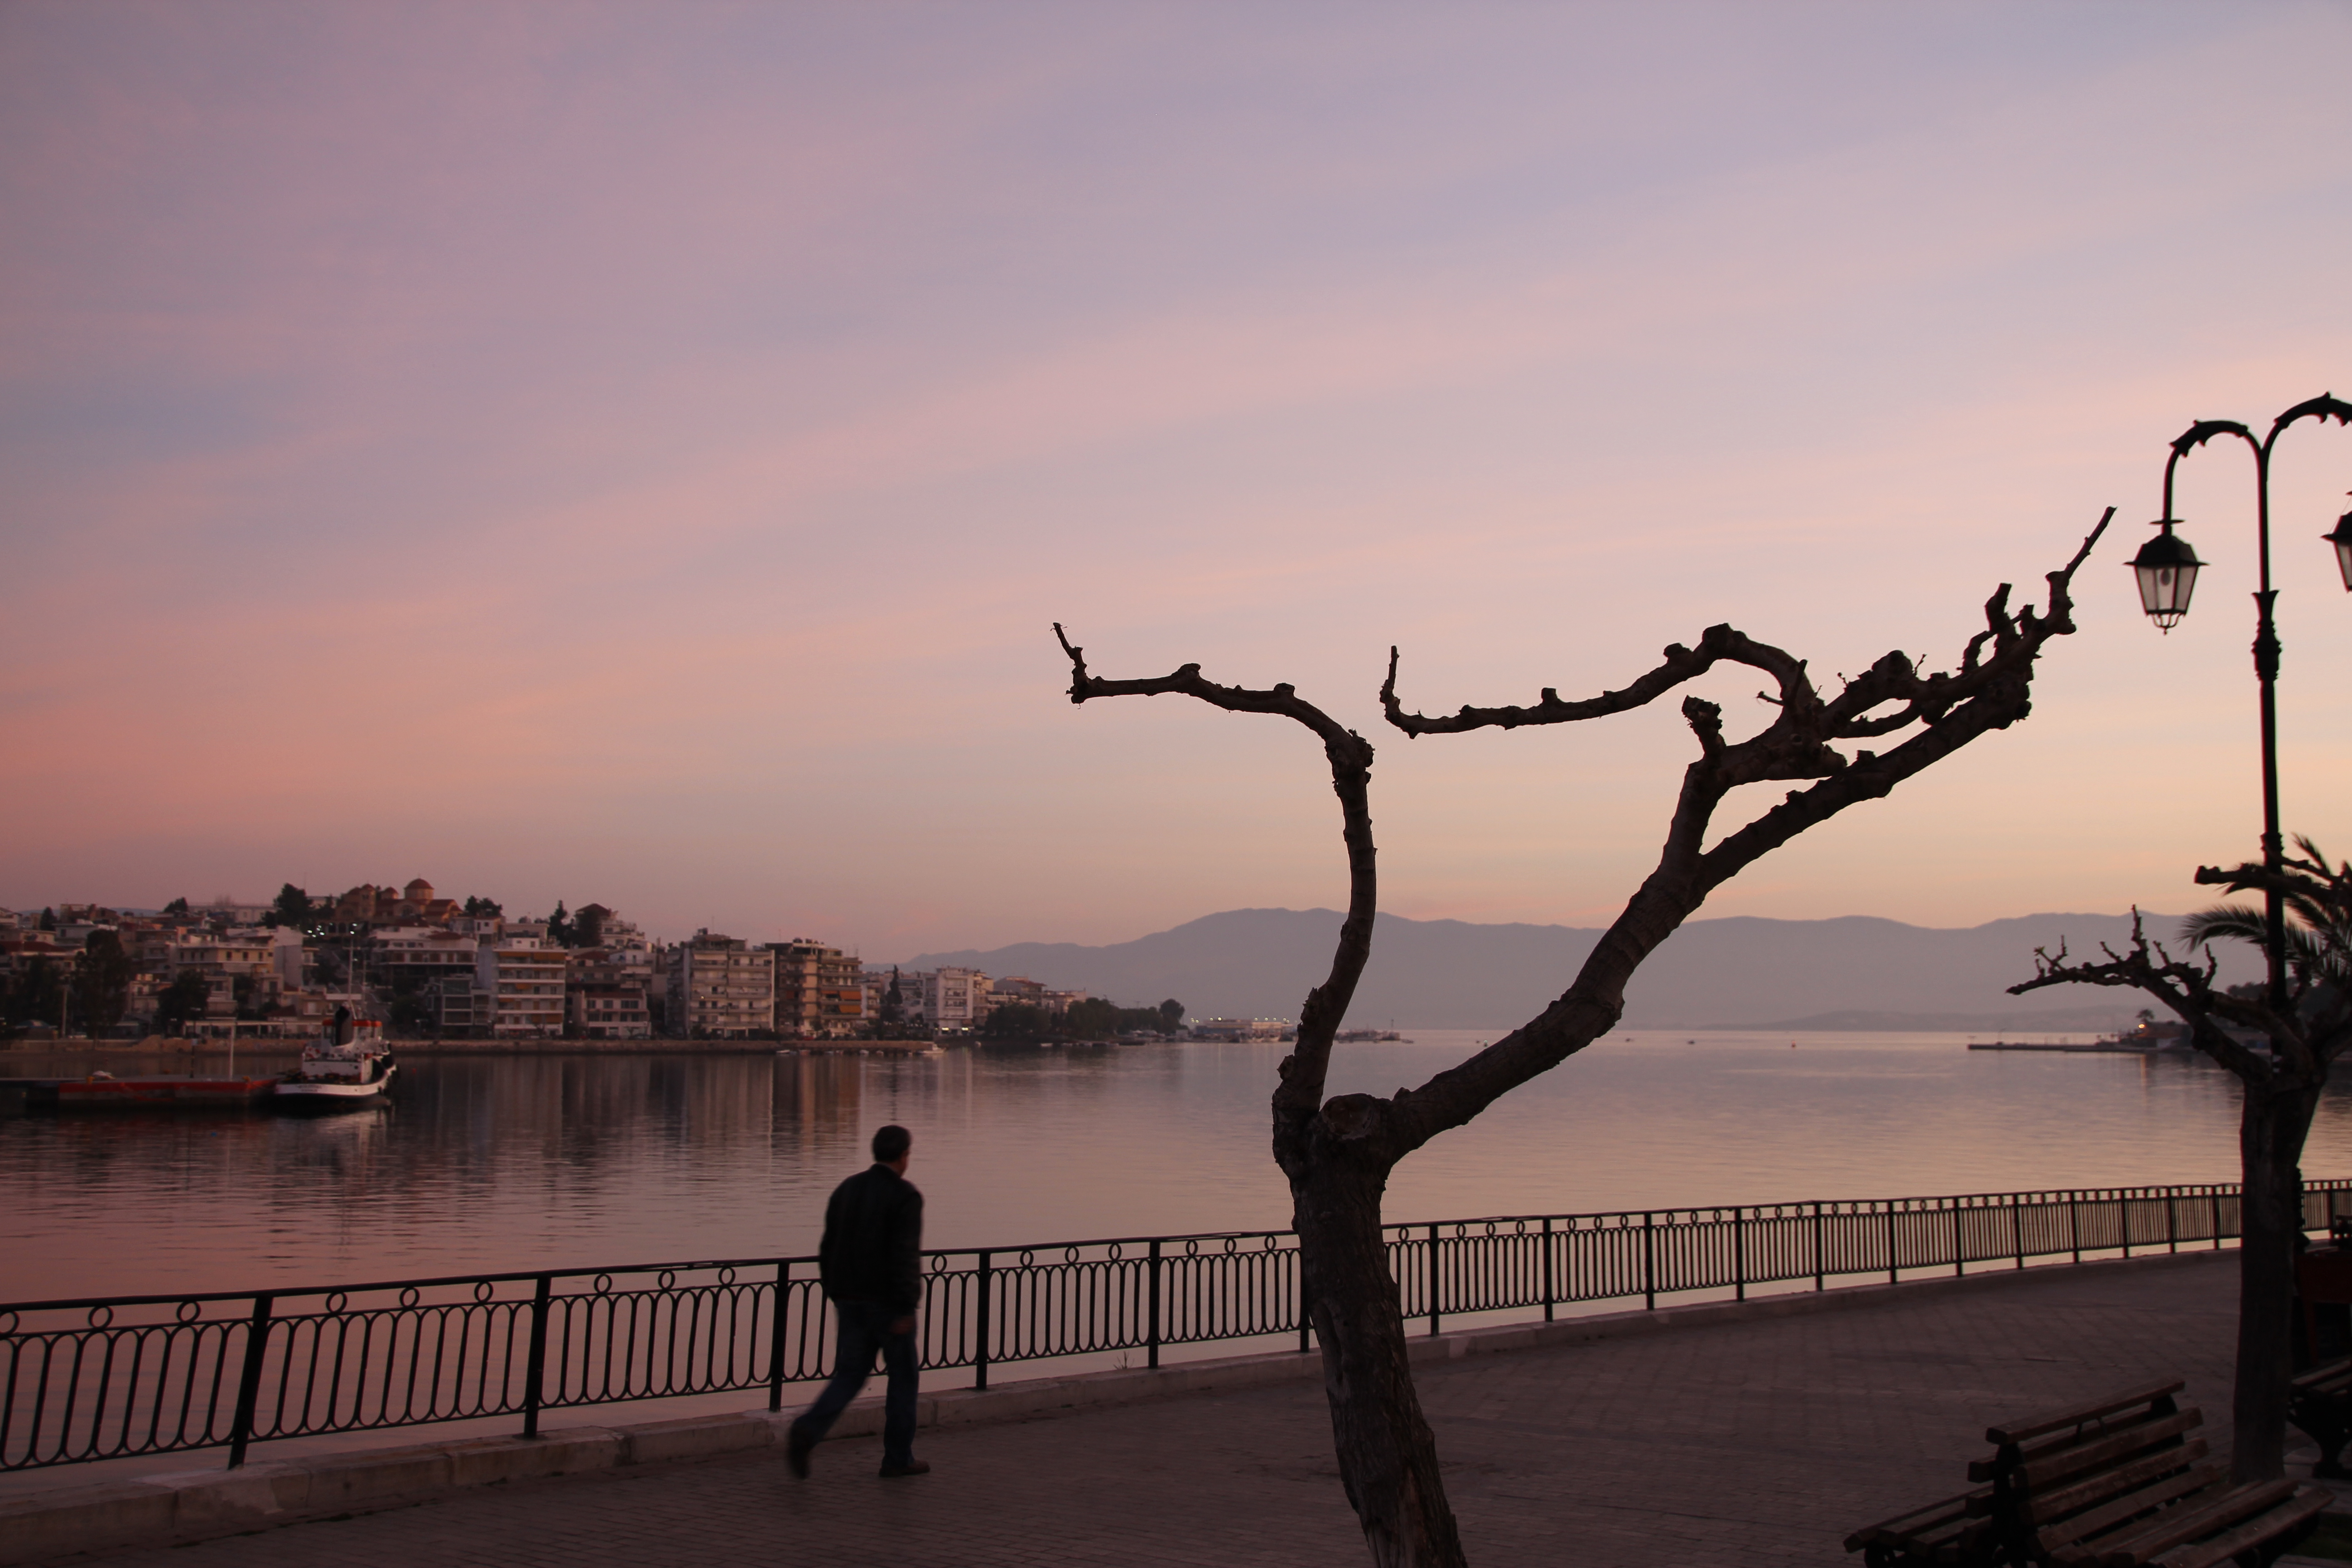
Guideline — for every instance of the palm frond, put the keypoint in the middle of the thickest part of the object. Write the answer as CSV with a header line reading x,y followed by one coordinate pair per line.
x,y
2241,922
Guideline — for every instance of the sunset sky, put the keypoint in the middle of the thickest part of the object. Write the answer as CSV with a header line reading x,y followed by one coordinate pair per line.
x,y
636,453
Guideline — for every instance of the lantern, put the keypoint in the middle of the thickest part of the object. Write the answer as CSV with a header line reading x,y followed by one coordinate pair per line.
x,y
2167,569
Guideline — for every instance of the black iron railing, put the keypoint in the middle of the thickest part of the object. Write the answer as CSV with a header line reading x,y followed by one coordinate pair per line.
x,y
104,1378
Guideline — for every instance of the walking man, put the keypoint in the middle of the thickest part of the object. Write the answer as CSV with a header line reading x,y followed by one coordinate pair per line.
x,y
872,1267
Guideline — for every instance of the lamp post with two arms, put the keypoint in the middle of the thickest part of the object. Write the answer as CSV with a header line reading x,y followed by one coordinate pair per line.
x,y
2167,569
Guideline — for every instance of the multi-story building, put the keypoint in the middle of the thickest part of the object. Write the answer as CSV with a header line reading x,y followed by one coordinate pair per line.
x,y
1022,991
949,998
721,988
241,967
369,905
605,998
461,1007
412,957
525,979
819,993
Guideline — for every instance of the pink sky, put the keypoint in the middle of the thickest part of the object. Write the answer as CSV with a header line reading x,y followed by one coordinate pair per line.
x,y
635,452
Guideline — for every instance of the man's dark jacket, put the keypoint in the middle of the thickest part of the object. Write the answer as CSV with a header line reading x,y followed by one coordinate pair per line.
x,y
873,1247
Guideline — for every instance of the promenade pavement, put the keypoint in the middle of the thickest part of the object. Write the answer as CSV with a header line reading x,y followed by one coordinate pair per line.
x,y
1758,1441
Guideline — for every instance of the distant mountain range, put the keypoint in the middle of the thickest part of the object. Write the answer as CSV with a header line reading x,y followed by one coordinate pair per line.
x,y
1854,972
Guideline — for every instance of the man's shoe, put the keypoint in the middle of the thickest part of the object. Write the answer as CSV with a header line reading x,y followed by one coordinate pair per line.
x,y
911,1468
797,1445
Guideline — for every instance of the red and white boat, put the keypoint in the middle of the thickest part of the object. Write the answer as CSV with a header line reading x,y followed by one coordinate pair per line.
x,y
350,1064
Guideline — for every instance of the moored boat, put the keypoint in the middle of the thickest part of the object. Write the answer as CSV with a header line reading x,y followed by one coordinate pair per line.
x,y
351,1064
104,1091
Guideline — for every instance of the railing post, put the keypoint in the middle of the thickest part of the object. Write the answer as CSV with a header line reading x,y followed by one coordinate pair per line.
x,y
776,1337
248,1381
1547,1269
1893,1262
1306,1304
1820,1264
980,1345
2217,1220
2074,1223
1649,1262
1151,1317
1432,1279
534,1370
1738,1254
2171,1220
2123,1219
1960,1239
2017,1227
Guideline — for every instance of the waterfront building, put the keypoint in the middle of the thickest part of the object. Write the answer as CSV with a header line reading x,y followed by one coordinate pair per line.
x,y
411,957
819,992
605,995
949,998
1022,991
721,987
240,966
524,978
461,1007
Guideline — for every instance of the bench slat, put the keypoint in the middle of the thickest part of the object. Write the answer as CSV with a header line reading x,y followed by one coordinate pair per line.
x,y
2065,1530
2304,1506
2051,1421
2071,1497
2048,1465
2011,1459
1904,1526
2335,1377
2188,1522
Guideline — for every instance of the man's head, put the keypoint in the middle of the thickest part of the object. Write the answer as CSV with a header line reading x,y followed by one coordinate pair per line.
x,y
890,1146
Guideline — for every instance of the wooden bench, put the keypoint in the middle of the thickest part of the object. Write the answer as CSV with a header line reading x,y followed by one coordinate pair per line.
x,y
2118,1483
1958,1530
2320,1401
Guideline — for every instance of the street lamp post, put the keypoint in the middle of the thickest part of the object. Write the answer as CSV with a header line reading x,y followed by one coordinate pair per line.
x,y
2166,570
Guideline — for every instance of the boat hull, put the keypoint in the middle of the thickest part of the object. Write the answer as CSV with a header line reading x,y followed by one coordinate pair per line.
x,y
146,1093
330,1094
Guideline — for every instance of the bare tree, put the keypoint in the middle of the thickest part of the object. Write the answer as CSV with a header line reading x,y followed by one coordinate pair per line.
x,y
2281,1087
1338,1152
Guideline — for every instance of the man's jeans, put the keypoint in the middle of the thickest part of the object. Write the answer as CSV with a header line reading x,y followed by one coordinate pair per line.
x,y
865,1329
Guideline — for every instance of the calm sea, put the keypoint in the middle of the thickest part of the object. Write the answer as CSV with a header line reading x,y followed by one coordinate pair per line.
x,y
522,1161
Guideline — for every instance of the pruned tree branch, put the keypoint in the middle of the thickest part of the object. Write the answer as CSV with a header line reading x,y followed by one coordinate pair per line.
x,y
1304,1070
1945,711
2185,987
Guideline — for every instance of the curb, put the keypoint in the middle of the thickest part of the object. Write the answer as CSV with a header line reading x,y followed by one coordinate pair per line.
x,y
187,1506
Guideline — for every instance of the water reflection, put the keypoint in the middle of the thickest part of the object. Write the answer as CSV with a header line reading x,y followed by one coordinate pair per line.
x,y
512,1163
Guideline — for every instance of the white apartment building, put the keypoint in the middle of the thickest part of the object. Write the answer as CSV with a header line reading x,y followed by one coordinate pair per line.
x,y
948,998
252,956
523,978
721,987
424,953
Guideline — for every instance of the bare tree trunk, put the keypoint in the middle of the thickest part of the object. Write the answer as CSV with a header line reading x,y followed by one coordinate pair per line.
x,y
1338,1153
1387,1454
2271,1132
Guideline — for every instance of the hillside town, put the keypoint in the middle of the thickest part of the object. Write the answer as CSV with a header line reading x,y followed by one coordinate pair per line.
x,y
438,968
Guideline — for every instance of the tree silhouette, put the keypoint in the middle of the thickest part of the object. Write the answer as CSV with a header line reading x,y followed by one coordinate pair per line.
x,y
101,982
2282,1091
1338,1153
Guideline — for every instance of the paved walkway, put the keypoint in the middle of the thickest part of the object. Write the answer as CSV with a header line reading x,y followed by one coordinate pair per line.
x,y
1753,1442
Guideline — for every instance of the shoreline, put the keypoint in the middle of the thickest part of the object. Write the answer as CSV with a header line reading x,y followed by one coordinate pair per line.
x,y
181,1049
